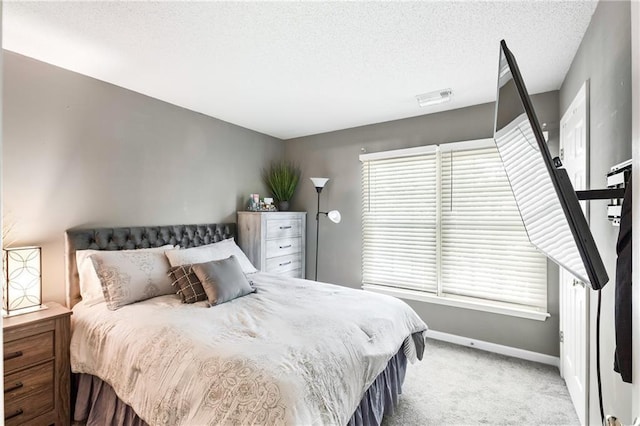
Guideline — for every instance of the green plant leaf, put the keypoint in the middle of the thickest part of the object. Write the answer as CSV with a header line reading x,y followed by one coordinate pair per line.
x,y
281,177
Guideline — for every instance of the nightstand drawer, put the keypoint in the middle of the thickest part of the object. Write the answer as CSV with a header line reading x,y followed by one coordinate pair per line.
x,y
277,265
282,247
22,410
30,350
283,228
27,382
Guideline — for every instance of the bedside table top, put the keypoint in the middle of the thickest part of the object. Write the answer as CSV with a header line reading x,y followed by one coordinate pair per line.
x,y
54,310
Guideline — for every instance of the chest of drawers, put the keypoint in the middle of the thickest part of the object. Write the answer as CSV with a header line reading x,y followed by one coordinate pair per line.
x,y
274,241
36,367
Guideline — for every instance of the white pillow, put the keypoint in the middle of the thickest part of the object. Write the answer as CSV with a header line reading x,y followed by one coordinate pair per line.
x,y
216,251
90,286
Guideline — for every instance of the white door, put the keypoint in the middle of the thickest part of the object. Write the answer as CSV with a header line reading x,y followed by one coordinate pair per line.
x,y
574,296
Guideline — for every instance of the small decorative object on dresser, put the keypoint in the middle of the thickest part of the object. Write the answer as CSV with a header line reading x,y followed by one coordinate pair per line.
x,y
36,367
264,205
274,241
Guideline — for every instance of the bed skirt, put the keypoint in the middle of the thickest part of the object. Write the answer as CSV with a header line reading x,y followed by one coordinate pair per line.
x,y
382,396
96,403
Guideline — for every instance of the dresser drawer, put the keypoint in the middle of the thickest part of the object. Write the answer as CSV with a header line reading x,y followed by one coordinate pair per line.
x,y
282,247
20,411
283,228
27,351
278,265
29,381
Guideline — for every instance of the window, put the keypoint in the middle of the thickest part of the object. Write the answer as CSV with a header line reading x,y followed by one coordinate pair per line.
x,y
440,223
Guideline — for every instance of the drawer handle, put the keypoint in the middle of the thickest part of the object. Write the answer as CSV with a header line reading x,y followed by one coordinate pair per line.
x,y
285,263
285,227
14,414
13,355
287,246
18,385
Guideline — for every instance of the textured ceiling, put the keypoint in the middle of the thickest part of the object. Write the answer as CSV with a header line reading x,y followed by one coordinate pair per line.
x,y
291,69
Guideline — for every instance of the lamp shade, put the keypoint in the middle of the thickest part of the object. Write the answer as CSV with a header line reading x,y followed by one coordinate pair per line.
x,y
319,182
22,279
334,216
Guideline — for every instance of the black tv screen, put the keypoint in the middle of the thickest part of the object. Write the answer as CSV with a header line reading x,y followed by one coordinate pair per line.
x,y
550,210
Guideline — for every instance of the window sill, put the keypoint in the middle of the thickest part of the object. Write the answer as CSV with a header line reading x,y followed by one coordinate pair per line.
x,y
459,302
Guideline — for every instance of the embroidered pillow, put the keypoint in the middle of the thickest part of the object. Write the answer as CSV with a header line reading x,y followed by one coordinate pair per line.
x,y
222,280
131,276
90,286
187,284
215,251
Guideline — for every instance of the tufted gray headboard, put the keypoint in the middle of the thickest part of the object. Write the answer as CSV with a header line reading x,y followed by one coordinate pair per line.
x,y
133,238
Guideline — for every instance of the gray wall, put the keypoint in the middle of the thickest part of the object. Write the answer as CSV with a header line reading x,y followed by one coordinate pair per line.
x,y
604,58
82,152
335,155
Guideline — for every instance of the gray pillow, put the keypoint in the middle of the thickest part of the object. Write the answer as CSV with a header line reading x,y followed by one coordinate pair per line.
x,y
223,280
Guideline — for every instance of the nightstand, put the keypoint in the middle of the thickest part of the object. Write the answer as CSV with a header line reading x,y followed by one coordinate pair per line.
x,y
36,367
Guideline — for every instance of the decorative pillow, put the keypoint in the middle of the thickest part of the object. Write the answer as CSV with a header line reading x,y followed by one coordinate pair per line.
x,y
131,276
222,280
187,284
90,286
215,251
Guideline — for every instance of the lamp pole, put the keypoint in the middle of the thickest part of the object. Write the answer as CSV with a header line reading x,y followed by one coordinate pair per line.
x,y
334,215
318,189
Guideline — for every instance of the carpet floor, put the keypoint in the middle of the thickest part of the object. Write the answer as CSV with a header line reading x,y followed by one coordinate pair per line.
x,y
458,385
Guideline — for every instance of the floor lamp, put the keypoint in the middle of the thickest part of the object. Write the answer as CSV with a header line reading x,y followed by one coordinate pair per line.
x,y
333,215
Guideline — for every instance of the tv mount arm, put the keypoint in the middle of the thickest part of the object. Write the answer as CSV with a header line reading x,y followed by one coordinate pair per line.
x,y
600,194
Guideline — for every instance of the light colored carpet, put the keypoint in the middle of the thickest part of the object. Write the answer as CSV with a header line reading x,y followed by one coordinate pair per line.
x,y
457,385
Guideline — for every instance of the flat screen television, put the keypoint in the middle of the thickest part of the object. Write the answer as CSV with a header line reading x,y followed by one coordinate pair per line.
x,y
548,204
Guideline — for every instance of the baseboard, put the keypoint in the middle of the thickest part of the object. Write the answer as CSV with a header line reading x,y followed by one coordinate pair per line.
x,y
493,347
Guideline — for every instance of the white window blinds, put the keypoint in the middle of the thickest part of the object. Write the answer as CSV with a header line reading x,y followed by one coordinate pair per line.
x,y
446,222
399,222
485,250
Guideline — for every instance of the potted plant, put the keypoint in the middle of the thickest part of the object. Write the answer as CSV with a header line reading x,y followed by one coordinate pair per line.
x,y
282,177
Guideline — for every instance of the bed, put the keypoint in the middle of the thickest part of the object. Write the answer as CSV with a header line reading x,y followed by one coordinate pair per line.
x,y
292,352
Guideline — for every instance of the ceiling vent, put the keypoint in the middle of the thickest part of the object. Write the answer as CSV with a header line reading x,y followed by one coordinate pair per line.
x,y
434,98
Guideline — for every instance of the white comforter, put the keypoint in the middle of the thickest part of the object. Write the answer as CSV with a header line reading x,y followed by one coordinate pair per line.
x,y
295,352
